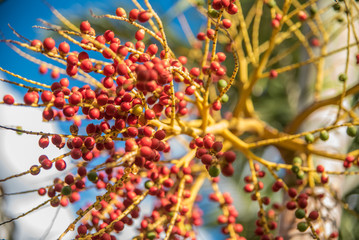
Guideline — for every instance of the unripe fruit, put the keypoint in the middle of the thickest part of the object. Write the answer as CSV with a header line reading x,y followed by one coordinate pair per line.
x,y
222,84
302,226
225,98
352,131
92,176
309,138
213,13
300,213
66,190
324,135
343,77
297,161
214,171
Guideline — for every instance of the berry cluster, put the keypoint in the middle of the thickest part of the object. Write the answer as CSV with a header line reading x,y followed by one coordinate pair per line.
x,y
130,104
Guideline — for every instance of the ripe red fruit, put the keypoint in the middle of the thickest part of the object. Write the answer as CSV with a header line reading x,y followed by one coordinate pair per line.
x,y
133,15
275,23
30,98
122,50
60,165
149,114
140,34
49,44
44,141
273,74
227,170
302,16
146,152
85,26
72,60
75,98
320,168
226,23
64,48
206,159
144,16
217,106
291,205
229,156
160,134
82,230
152,49
108,70
210,33
201,36
313,215
109,35
118,226
76,153
248,188
8,99
232,9
190,90
46,164
36,43
86,65
120,12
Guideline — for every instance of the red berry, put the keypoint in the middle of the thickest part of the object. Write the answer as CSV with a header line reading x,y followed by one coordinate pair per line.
x,y
60,164
226,23
49,44
85,26
8,99
140,34
133,15
144,16
86,65
120,12
64,48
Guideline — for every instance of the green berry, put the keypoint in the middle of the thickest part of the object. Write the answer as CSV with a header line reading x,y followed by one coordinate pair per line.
x,y
149,184
213,13
92,176
300,213
222,83
295,169
309,138
302,226
352,131
271,3
324,135
300,174
214,171
66,190
151,235
343,77
297,161
224,98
